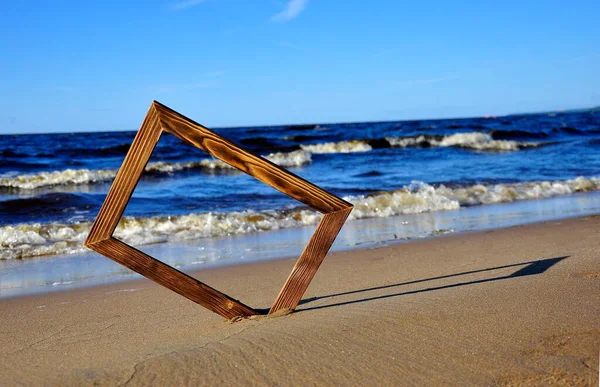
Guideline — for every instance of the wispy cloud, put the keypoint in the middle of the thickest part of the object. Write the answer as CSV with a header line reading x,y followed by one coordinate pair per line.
x,y
187,4
428,81
291,10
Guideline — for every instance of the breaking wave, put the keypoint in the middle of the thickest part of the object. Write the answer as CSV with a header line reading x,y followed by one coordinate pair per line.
x,y
296,158
64,177
87,176
422,197
31,240
471,140
339,147
478,141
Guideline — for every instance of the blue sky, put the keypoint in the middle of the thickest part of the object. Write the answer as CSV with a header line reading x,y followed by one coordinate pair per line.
x,y
97,65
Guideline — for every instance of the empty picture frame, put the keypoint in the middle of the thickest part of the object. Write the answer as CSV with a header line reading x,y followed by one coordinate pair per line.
x,y
160,118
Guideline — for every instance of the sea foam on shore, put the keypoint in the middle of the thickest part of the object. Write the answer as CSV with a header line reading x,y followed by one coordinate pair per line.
x,y
86,176
30,240
476,141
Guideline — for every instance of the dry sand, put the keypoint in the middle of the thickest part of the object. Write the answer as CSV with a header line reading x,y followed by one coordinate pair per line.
x,y
516,306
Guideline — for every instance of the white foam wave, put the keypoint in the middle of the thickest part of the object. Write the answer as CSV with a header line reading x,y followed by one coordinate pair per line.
x,y
338,147
292,159
32,240
296,158
58,283
421,197
471,140
504,193
85,176
64,177
414,199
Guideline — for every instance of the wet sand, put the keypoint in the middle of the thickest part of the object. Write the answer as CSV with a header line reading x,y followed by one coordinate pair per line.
x,y
515,306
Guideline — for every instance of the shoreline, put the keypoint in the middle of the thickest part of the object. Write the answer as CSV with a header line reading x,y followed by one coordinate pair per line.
x,y
134,281
68,272
512,306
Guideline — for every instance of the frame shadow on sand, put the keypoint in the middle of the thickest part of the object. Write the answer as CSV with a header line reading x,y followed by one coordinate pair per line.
x,y
527,269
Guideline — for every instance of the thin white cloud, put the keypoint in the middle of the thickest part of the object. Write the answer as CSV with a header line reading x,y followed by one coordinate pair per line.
x,y
428,81
187,4
291,10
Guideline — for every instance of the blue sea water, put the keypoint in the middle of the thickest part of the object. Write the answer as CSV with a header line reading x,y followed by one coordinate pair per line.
x,y
52,185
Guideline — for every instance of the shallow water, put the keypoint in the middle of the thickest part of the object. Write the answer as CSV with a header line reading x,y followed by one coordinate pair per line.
x,y
437,175
36,275
52,185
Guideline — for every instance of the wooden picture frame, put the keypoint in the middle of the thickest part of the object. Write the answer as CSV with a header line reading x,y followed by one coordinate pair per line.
x,y
161,118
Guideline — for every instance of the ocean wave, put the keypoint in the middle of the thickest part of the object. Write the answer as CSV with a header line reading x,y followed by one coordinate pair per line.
x,y
516,134
86,176
414,199
292,159
471,140
64,177
296,158
31,240
422,197
11,153
478,141
338,147
503,193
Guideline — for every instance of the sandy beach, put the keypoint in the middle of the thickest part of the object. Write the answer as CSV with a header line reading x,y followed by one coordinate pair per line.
x,y
426,178
515,306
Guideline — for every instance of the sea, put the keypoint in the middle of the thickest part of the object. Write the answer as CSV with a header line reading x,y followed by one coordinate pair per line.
x,y
406,179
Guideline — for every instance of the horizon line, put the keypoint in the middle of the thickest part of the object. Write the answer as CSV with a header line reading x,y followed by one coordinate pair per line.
x,y
490,116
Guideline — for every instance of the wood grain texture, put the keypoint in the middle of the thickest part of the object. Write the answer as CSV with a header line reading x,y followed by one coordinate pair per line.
x,y
310,260
160,118
256,166
127,178
173,279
